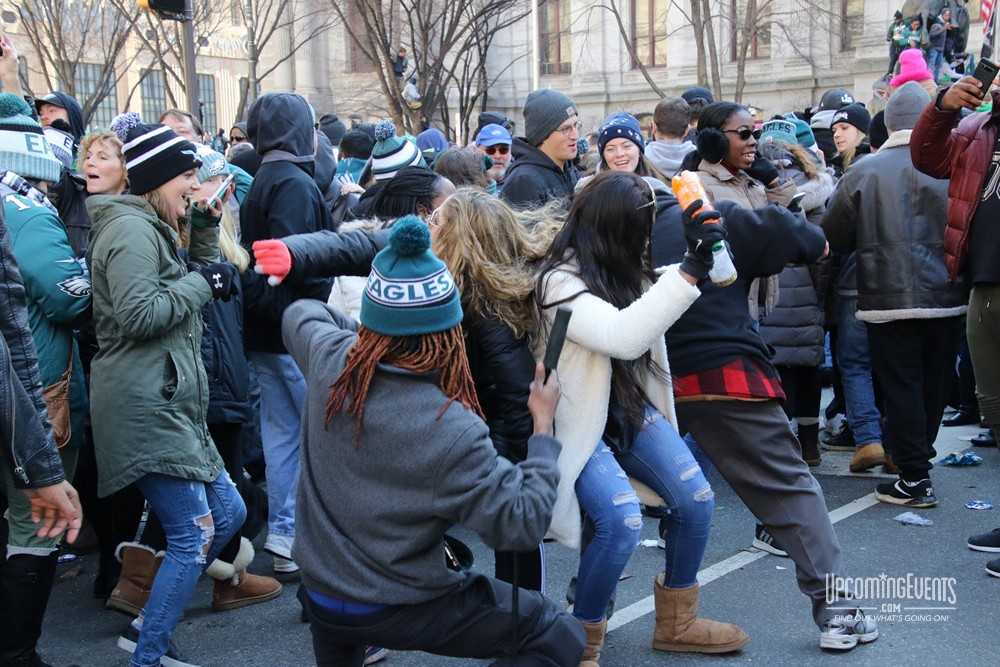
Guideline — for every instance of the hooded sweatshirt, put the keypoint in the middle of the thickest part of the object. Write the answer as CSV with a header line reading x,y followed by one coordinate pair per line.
x,y
533,178
283,200
73,110
667,155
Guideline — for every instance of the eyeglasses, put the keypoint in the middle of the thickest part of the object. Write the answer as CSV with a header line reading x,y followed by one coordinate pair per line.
x,y
234,138
568,130
434,219
502,149
744,134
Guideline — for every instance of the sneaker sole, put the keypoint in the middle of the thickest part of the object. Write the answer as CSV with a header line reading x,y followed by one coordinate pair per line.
x,y
379,655
764,546
909,502
992,573
991,550
277,552
838,642
165,661
837,448
126,644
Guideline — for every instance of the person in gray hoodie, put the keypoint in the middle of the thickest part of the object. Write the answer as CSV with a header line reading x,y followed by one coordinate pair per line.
x,y
372,522
671,118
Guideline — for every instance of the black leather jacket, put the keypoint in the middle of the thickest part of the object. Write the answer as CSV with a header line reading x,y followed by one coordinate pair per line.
x,y
24,421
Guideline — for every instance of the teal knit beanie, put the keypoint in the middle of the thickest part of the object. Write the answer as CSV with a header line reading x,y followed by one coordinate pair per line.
x,y
410,292
24,149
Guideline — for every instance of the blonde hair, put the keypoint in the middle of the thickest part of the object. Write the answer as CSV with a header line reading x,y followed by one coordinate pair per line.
x,y
231,250
108,139
490,250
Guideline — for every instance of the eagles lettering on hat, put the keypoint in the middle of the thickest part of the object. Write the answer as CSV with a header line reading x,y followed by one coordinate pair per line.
x,y
413,293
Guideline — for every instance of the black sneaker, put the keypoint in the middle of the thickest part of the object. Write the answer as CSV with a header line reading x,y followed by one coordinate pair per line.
x,y
765,541
989,542
901,493
841,441
844,633
130,638
993,567
374,654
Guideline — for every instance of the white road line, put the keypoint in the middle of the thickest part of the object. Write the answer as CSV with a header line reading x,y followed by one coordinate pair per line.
x,y
645,606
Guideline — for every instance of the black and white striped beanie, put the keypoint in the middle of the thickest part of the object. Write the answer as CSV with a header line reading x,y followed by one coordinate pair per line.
x,y
154,154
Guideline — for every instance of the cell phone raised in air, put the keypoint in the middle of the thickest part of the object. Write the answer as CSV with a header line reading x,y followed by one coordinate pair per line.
x,y
218,193
985,72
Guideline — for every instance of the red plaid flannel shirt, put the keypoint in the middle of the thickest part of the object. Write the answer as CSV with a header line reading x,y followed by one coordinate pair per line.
x,y
740,378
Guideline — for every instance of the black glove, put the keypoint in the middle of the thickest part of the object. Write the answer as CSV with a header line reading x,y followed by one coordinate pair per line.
x,y
763,171
700,238
221,277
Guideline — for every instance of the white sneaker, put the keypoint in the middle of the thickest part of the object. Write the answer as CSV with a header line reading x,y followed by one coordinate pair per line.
x,y
285,565
279,545
848,632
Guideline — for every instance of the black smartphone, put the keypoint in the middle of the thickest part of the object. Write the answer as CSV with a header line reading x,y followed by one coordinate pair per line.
x,y
556,339
985,72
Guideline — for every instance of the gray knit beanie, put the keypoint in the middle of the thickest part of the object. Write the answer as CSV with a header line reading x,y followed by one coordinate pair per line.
x,y
544,111
905,106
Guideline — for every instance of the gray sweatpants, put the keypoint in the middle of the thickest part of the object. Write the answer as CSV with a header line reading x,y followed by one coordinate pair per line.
x,y
983,334
755,450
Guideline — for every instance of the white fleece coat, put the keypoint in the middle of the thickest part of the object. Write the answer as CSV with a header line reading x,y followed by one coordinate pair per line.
x,y
597,332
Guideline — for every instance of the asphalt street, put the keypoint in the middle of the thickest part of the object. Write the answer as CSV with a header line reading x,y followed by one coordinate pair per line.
x,y
739,584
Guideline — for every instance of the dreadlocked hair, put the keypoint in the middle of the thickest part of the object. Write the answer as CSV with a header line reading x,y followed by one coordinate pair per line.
x,y
442,352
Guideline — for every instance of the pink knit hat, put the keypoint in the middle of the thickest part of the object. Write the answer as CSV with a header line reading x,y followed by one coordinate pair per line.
x,y
911,68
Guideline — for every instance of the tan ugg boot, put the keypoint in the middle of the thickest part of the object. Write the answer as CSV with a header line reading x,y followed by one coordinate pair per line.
x,y
235,587
678,627
595,642
139,567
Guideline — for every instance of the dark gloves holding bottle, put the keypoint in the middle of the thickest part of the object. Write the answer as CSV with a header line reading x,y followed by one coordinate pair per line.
x,y
764,171
702,230
221,277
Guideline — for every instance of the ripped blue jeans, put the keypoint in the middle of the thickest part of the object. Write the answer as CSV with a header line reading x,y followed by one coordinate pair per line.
x,y
660,459
199,519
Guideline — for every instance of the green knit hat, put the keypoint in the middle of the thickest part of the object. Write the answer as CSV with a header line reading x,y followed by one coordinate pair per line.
x,y
213,163
410,292
392,153
24,149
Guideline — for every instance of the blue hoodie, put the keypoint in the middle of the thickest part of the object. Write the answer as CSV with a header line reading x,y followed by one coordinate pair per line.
x,y
283,200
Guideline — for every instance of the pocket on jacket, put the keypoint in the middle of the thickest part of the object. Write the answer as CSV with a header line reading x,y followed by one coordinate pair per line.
x,y
174,381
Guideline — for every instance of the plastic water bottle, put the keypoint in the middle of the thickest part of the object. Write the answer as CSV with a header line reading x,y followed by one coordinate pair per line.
x,y
688,188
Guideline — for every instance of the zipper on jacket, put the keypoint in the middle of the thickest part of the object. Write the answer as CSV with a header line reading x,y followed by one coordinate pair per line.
x,y
18,468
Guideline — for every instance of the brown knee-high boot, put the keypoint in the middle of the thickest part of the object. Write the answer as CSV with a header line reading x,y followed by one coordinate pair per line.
x,y
139,567
678,627
595,642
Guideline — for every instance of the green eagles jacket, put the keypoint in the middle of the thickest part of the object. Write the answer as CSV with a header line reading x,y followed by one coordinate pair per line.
x,y
58,296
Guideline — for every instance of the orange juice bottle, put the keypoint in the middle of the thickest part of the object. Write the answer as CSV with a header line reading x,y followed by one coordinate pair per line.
x,y
688,188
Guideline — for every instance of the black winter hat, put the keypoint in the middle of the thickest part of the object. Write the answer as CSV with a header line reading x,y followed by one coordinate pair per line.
x,y
332,127
853,114
544,111
835,99
154,154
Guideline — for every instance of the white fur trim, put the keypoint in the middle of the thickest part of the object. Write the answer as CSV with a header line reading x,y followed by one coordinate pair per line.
x,y
220,570
143,547
897,138
883,316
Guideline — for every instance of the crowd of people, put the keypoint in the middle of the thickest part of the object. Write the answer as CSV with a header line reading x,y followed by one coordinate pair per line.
x,y
330,310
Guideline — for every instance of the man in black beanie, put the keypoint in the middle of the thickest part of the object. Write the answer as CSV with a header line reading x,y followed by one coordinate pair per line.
x,y
542,168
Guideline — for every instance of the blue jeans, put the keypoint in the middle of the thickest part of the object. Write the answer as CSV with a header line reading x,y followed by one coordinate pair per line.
x,y
856,375
198,518
660,459
282,396
935,62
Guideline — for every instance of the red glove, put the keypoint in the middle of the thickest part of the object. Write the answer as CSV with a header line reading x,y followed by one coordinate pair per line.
x,y
273,258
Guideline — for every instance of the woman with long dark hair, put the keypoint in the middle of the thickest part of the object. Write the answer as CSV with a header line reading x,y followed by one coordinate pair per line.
x,y
618,414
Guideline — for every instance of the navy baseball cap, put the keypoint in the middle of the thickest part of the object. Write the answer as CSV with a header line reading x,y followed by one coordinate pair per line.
x,y
492,134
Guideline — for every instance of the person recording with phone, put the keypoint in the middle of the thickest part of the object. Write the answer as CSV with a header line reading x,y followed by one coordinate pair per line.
x,y
967,150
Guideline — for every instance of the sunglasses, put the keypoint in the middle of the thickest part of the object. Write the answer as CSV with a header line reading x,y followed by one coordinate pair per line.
x,y
502,149
236,138
744,134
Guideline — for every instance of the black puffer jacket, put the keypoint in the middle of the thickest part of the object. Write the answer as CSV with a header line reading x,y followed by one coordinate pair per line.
x,y
794,329
503,368
534,178
225,361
